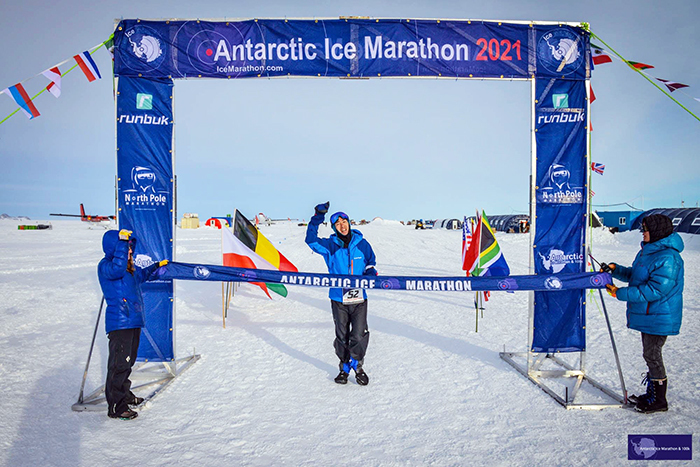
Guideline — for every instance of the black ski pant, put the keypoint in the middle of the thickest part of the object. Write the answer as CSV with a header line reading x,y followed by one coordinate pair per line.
x,y
351,333
651,345
123,347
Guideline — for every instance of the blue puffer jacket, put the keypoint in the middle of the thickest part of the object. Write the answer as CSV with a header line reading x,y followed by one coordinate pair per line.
x,y
655,293
353,260
122,290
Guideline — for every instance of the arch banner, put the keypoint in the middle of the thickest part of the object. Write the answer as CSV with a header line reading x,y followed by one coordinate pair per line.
x,y
555,57
349,48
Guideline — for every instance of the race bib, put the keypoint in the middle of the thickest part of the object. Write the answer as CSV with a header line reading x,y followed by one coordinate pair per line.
x,y
351,296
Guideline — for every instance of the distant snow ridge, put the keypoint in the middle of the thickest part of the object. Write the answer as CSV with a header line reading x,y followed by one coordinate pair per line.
x,y
14,218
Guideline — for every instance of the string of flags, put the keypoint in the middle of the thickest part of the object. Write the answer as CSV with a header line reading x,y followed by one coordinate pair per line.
x,y
83,60
600,56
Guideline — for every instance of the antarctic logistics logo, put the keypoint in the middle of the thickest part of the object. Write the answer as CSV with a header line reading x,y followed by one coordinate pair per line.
x,y
556,260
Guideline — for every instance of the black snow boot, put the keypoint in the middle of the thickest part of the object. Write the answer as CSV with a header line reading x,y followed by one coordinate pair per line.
x,y
128,414
342,377
656,401
361,377
637,399
134,400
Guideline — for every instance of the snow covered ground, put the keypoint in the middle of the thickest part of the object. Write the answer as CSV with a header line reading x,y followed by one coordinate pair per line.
x,y
263,391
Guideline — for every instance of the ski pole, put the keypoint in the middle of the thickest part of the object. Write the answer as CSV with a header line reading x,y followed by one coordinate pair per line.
x,y
614,347
87,365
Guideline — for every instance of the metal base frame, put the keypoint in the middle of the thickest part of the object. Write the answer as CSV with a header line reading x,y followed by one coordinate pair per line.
x,y
153,375
536,375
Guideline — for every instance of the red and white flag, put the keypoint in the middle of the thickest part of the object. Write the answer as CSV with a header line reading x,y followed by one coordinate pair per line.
x,y
54,75
672,86
466,239
599,55
470,257
88,66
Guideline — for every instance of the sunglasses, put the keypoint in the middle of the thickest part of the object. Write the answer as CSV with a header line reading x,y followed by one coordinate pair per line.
x,y
644,228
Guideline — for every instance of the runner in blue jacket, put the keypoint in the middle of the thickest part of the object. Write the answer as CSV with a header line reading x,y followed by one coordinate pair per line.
x,y
654,301
121,285
345,252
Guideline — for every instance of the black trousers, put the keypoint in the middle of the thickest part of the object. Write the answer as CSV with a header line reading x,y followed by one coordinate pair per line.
x,y
123,347
351,333
651,345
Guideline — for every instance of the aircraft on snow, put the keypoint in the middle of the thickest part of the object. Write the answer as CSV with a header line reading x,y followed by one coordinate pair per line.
x,y
88,218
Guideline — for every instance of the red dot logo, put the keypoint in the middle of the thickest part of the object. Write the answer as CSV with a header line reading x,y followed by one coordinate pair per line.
x,y
209,52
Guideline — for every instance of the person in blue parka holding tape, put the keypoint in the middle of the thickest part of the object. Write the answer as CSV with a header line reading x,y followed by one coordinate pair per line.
x,y
121,285
654,301
345,252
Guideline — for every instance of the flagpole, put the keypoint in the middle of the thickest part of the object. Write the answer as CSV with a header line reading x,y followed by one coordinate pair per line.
x,y
644,75
478,265
223,295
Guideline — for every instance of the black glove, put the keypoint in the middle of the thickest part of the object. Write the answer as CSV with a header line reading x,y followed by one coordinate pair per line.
x,y
370,271
609,268
322,208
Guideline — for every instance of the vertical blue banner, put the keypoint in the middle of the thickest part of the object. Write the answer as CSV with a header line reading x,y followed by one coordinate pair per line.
x,y
560,209
145,193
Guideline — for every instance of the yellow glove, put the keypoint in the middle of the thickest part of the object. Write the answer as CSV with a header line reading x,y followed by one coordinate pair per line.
x,y
612,290
163,263
124,234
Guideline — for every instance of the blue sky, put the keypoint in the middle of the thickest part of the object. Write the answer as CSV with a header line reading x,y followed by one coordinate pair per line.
x,y
399,149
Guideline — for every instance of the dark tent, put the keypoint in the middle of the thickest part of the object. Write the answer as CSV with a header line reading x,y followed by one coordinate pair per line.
x,y
508,223
684,219
449,224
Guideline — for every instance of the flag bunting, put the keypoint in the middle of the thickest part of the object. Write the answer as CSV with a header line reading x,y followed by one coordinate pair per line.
x,y
21,98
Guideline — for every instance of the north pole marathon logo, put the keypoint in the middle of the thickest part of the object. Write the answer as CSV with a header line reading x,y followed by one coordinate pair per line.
x,y
559,189
560,51
556,260
145,191
146,49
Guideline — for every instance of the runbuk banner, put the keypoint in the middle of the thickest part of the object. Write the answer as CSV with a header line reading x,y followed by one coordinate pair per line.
x,y
561,121
550,283
145,191
356,48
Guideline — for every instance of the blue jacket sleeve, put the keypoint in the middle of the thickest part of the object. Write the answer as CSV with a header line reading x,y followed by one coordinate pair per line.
x,y
661,280
622,273
143,274
319,245
116,268
371,260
